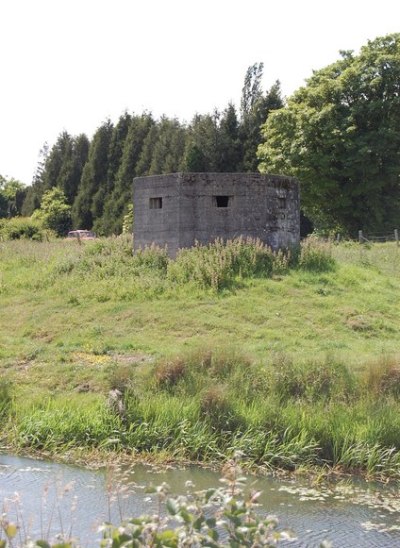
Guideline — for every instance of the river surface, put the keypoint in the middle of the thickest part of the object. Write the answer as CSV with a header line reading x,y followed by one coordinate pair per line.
x,y
47,498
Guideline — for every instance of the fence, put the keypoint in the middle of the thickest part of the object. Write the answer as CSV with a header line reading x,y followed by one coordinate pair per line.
x,y
369,238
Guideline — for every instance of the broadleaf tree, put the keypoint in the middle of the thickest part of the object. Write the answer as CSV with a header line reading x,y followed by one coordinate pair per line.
x,y
339,134
12,193
54,212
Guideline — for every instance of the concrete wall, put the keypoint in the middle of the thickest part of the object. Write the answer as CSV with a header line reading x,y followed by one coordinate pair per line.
x,y
178,209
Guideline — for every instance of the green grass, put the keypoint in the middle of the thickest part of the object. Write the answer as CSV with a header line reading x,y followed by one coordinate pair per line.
x,y
291,358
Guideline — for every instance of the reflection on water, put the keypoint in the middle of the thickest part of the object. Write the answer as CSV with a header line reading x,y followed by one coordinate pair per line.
x,y
52,498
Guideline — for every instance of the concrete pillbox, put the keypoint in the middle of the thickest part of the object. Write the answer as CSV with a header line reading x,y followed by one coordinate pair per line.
x,y
179,209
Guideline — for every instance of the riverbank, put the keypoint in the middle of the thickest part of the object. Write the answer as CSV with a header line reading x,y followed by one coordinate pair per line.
x,y
293,361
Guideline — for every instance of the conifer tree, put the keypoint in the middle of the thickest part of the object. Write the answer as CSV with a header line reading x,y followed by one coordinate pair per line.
x,y
105,191
121,196
94,176
230,147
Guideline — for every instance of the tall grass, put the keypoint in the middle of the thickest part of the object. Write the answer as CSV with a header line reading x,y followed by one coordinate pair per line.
x,y
5,397
316,255
110,270
220,264
203,407
281,406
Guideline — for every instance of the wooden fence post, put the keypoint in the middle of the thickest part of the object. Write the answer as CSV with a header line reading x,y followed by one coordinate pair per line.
x,y
360,236
396,236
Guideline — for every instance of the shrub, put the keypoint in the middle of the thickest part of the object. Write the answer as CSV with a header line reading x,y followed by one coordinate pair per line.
x,y
18,228
121,378
152,257
54,212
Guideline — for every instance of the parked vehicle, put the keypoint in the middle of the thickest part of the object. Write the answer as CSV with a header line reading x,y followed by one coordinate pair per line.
x,y
81,234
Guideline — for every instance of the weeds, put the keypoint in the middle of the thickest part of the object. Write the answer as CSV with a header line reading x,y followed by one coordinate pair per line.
x,y
316,255
219,265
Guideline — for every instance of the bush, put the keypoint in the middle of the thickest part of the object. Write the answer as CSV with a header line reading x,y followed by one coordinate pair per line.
x,y
216,405
54,212
152,257
18,228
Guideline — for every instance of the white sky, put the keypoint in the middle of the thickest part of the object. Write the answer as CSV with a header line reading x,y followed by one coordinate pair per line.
x,y
70,64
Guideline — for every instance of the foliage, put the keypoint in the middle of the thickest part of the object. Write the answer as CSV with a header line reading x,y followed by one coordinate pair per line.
x,y
339,136
216,517
54,212
12,194
255,110
21,228
90,195
60,167
127,225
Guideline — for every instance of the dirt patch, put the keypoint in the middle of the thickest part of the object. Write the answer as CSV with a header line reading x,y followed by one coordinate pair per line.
x,y
131,359
359,323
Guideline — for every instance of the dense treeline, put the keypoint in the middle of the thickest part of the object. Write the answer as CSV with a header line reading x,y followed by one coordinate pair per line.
x,y
338,134
96,175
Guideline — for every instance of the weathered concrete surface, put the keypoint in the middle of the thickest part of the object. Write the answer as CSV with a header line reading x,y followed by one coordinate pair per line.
x,y
179,209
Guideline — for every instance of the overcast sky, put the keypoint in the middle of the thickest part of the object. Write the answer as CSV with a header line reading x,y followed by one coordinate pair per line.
x,y
70,64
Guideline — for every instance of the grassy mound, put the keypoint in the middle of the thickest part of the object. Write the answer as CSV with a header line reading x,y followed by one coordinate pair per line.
x,y
291,358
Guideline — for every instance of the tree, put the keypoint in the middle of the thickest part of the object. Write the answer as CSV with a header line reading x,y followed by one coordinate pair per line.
x,y
340,136
3,199
34,192
116,203
202,141
168,150
230,148
255,108
74,159
89,201
54,212
12,193
103,194
251,91
60,167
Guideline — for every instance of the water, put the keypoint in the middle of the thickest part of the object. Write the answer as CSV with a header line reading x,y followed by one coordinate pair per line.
x,y
51,498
